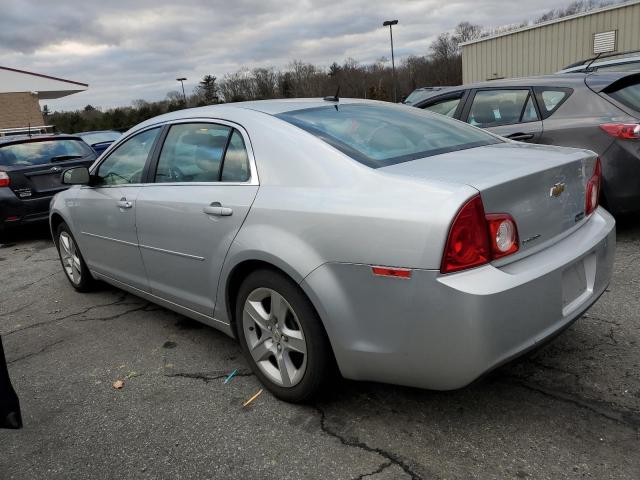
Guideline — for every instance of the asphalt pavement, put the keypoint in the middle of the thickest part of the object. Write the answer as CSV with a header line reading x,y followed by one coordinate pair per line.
x,y
569,410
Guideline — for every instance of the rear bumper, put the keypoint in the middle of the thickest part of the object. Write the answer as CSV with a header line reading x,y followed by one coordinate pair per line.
x,y
444,331
16,211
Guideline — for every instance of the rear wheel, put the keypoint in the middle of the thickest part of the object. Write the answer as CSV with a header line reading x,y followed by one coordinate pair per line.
x,y
282,336
72,262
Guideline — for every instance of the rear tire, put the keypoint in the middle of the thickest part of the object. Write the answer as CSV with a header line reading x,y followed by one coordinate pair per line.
x,y
282,336
73,264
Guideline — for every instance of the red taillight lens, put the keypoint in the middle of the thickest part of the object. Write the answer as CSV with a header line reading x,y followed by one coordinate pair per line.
x,y
468,242
475,238
5,181
627,131
503,235
593,189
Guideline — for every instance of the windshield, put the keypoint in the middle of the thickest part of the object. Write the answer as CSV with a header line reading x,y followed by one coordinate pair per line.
x,y
381,135
40,152
100,137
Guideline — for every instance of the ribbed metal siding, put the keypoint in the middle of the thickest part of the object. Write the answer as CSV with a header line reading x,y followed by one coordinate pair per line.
x,y
548,48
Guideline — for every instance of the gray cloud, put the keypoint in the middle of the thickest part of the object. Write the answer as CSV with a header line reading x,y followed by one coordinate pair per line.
x,y
127,50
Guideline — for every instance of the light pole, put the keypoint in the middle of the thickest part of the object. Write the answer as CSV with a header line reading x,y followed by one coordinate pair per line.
x,y
181,80
390,24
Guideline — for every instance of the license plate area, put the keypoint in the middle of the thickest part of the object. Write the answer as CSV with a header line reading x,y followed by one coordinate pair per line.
x,y
577,283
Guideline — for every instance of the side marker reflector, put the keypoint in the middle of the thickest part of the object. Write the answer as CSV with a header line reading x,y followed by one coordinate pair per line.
x,y
392,272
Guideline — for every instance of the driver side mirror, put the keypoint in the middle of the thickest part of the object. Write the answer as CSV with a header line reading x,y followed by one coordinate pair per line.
x,y
76,176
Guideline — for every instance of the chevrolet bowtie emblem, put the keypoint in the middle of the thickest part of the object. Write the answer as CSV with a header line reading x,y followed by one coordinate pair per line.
x,y
557,190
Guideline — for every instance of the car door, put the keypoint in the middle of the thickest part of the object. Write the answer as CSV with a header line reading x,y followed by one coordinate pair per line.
x,y
204,184
509,112
450,104
105,212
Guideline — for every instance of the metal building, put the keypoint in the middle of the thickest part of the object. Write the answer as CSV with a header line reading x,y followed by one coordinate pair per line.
x,y
548,47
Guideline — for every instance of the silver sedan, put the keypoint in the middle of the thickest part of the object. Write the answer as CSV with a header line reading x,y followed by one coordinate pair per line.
x,y
398,245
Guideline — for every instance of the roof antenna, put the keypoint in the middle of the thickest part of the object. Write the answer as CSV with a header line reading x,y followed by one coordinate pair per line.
x,y
586,69
29,131
335,98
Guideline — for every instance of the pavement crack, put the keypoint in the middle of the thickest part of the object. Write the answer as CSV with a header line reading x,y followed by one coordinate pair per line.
x,y
24,287
393,458
207,377
627,417
38,352
378,470
119,301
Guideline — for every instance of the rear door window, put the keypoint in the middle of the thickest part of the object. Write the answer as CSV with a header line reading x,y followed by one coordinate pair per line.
x,y
43,152
550,99
203,152
492,108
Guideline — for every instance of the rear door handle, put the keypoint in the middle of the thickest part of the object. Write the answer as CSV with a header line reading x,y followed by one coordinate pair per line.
x,y
520,136
123,203
217,209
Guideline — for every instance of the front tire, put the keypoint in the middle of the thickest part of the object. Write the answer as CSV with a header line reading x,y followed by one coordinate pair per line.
x,y
71,259
282,336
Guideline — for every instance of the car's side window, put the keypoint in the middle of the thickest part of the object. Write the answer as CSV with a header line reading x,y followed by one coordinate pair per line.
x,y
550,99
446,106
203,152
192,152
236,160
126,163
491,108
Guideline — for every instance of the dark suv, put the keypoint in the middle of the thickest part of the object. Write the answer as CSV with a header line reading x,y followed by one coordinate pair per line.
x,y
30,170
597,111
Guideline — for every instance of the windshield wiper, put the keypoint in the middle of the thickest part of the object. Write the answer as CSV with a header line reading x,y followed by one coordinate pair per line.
x,y
61,158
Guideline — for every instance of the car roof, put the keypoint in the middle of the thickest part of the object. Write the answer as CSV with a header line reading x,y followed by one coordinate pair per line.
x,y
237,110
79,134
597,80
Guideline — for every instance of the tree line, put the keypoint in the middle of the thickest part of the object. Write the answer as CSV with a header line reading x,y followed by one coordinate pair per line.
x,y
441,65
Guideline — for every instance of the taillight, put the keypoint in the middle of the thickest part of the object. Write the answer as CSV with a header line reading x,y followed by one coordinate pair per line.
x,y
5,181
503,235
593,189
626,131
475,238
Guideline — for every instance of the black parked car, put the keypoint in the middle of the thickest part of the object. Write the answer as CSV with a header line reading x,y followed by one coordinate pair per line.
x,y
99,140
30,170
598,111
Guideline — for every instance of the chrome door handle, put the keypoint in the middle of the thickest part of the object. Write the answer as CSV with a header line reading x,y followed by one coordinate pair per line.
x,y
217,209
123,203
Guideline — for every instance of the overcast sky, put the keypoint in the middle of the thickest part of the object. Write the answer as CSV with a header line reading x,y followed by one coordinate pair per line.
x,y
127,50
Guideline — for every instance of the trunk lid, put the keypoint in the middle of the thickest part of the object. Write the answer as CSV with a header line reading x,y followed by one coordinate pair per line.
x,y
35,167
543,188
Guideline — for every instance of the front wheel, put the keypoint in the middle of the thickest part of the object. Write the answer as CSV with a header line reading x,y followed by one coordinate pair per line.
x,y
282,336
72,262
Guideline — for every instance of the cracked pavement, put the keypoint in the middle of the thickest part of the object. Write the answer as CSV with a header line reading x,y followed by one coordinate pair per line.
x,y
569,410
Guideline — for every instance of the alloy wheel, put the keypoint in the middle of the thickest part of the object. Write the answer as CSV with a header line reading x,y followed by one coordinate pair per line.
x,y
275,337
70,258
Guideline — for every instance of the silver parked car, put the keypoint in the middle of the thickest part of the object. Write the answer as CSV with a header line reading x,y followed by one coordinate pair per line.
x,y
401,245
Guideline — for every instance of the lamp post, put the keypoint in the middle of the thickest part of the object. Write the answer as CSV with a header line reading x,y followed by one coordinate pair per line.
x,y
390,24
181,80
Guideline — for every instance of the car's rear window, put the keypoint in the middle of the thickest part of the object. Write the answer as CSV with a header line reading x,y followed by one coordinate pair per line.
x,y
42,151
627,92
380,135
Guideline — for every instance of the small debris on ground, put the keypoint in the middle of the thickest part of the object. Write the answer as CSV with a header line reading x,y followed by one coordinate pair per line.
x,y
248,402
230,376
118,384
